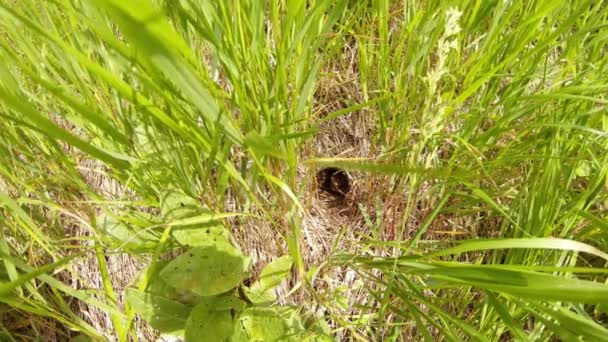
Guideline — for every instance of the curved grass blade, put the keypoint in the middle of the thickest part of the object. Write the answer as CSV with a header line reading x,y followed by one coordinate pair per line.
x,y
528,243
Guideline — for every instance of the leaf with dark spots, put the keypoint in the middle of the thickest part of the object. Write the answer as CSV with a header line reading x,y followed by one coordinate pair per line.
x,y
208,270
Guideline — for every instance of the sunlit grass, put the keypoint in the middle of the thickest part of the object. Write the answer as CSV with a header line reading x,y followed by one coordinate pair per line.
x,y
487,123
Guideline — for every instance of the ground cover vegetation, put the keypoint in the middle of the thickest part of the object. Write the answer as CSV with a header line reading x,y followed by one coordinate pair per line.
x,y
303,170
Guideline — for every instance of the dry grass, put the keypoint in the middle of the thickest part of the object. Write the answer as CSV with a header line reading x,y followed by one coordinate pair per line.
x,y
378,210
329,224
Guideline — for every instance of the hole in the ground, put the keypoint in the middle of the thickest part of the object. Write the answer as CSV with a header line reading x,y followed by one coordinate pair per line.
x,y
333,181
247,281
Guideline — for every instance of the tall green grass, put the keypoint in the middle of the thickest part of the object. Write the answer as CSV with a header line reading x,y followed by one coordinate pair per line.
x,y
491,113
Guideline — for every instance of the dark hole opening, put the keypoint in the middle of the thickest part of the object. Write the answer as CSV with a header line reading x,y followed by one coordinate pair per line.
x,y
247,282
333,181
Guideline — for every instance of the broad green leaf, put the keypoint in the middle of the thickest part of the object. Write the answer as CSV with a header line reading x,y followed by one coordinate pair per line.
x,y
262,291
203,235
128,238
228,301
157,286
271,324
275,272
257,295
166,315
257,324
212,319
201,219
207,270
176,205
207,324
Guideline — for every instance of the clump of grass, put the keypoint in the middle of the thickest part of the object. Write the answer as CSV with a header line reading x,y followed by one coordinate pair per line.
x,y
473,133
